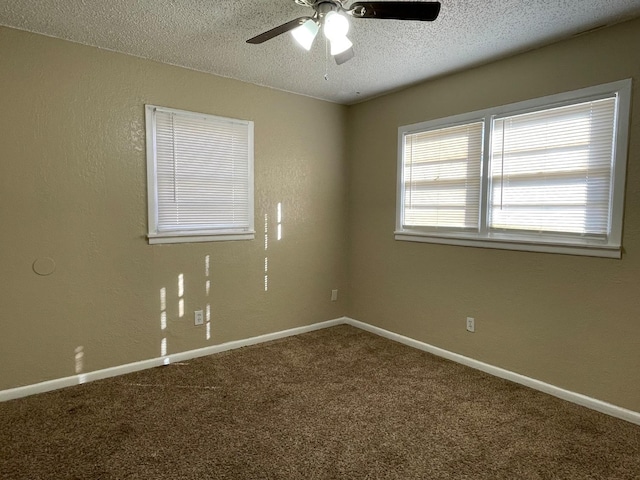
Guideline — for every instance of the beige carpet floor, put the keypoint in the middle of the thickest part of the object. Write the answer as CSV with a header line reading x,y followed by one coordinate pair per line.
x,y
338,403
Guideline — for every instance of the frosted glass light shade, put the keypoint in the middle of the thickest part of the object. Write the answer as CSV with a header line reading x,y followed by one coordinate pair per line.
x,y
305,34
335,25
340,44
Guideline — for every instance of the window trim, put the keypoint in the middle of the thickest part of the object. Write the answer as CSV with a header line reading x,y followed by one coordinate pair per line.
x,y
611,248
191,236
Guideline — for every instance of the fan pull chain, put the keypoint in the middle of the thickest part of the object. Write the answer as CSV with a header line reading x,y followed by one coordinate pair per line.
x,y
326,59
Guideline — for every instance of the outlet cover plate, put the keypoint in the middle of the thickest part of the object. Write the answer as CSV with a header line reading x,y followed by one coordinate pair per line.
x,y
471,324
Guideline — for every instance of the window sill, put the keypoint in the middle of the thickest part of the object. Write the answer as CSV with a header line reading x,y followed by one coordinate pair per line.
x,y
155,239
604,251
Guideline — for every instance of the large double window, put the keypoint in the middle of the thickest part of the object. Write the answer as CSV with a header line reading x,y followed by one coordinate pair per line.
x,y
542,175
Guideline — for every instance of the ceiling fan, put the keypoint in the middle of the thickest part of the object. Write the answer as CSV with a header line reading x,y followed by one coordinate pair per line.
x,y
330,16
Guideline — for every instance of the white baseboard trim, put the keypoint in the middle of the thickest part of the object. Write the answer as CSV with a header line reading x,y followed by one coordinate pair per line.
x,y
577,398
58,383
573,397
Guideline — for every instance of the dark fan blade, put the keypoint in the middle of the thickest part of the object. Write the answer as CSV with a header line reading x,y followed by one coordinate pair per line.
x,y
274,32
425,11
344,56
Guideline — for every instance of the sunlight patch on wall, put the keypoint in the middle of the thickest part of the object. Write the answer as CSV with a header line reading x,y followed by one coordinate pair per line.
x,y
266,247
279,220
181,295
207,288
79,358
163,299
163,321
163,308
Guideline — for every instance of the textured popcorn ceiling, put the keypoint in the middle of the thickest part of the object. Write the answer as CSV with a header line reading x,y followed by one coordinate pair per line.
x,y
210,35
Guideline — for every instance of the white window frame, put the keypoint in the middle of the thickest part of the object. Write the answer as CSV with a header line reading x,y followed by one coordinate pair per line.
x,y
157,236
611,247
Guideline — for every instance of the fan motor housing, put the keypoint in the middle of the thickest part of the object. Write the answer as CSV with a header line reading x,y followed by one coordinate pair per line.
x,y
325,6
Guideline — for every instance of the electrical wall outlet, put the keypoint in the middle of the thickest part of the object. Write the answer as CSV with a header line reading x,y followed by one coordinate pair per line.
x,y
334,295
198,317
471,324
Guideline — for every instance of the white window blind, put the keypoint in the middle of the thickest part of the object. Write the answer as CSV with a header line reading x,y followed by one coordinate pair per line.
x,y
544,175
551,170
202,173
442,177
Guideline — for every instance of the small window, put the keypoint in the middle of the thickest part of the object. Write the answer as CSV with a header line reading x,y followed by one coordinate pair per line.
x,y
199,176
543,175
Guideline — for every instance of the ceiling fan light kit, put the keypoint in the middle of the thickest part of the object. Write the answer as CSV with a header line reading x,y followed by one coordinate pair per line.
x,y
335,25
330,15
339,45
306,33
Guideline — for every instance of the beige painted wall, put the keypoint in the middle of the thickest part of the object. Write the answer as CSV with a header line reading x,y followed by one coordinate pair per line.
x,y
570,321
73,188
